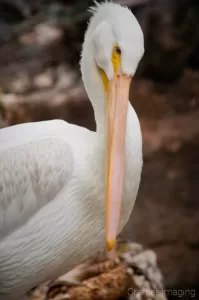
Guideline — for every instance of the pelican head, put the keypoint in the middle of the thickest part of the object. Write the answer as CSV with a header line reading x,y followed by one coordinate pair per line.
x,y
116,46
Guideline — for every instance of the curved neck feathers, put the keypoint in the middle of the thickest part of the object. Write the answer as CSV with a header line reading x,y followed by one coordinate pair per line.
x,y
93,85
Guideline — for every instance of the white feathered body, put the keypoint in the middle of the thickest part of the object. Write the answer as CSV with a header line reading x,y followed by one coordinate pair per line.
x,y
52,201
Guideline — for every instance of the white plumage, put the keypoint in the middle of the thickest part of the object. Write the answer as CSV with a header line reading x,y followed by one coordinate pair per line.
x,y
52,174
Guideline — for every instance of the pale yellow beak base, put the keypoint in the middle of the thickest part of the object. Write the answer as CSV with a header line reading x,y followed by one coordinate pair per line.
x,y
116,115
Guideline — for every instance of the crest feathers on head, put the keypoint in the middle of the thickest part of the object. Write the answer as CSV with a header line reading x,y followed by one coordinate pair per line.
x,y
93,9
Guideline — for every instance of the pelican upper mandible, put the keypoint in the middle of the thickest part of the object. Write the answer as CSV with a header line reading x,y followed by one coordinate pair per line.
x,y
61,186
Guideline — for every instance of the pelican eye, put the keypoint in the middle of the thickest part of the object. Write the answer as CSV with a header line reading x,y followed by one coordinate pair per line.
x,y
118,50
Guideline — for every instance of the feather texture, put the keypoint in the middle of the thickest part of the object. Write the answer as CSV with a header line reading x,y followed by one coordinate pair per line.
x,y
31,175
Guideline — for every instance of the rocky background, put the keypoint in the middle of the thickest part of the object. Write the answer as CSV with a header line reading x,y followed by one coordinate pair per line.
x,y
40,43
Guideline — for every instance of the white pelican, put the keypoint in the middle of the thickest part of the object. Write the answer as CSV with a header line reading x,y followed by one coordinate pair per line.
x,y
52,174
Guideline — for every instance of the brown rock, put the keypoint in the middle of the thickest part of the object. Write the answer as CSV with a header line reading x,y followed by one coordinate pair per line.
x,y
134,276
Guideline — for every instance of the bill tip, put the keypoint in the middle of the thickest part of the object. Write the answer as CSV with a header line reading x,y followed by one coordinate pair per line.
x,y
110,245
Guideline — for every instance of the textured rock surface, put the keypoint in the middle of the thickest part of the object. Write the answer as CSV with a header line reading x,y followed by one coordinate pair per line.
x,y
135,276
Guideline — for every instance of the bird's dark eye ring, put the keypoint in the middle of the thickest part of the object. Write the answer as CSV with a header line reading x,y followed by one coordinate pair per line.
x,y
118,50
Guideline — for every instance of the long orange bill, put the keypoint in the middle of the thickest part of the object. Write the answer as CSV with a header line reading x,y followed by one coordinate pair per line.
x,y
116,115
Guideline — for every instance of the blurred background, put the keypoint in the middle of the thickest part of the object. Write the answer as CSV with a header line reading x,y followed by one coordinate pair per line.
x,y
40,44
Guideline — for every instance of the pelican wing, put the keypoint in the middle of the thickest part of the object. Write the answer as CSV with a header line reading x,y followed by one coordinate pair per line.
x,y
36,163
